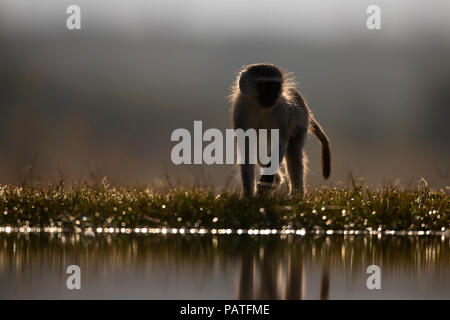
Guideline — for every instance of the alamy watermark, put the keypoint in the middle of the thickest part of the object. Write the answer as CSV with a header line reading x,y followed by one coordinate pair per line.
x,y
73,21
373,21
374,280
74,280
215,153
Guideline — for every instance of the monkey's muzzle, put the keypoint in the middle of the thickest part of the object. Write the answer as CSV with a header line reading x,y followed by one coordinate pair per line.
x,y
268,92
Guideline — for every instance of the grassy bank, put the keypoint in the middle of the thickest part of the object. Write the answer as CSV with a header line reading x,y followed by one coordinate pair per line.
x,y
327,208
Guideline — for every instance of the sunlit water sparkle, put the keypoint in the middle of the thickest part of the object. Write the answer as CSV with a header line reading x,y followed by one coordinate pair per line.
x,y
177,263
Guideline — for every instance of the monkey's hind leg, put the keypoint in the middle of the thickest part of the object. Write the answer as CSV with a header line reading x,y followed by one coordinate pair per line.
x,y
296,165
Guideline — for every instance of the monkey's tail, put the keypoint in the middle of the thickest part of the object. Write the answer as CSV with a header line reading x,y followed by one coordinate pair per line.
x,y
326,153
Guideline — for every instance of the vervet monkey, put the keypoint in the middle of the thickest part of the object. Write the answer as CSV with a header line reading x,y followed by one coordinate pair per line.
x,y
264,96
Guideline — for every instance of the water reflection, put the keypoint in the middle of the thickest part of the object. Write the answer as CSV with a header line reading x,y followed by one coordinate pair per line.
x,y
223,266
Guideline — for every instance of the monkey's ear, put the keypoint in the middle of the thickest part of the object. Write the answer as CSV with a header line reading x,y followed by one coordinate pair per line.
x,y
243,81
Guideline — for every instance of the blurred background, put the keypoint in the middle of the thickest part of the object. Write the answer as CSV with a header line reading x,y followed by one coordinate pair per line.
x,y
103,100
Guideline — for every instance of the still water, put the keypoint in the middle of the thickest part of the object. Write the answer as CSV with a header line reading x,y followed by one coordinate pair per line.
x,y
33,266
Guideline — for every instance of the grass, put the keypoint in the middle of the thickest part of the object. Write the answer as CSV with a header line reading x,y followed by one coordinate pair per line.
x,y
326,208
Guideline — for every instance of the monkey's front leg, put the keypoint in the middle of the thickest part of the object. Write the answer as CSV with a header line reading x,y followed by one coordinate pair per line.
x,y
248,178
247,173
266,180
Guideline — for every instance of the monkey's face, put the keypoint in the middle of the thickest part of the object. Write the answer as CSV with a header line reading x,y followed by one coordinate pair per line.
x,y
268,91
263,82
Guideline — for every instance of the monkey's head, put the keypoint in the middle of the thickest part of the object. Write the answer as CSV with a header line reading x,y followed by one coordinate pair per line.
x,y
264,82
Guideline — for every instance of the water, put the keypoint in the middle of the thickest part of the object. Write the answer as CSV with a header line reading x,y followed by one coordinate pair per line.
x,y
155,266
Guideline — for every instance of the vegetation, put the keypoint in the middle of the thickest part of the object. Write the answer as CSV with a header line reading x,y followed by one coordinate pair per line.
x,y
326,208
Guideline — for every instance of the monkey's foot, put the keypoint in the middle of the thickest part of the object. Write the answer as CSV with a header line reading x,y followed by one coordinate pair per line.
x,y
264,187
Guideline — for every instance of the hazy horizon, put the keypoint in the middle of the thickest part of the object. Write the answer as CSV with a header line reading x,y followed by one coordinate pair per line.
x,y
106,98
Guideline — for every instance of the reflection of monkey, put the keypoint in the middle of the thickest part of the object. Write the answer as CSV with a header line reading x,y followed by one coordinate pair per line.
x,y
265,97
246,278
325,282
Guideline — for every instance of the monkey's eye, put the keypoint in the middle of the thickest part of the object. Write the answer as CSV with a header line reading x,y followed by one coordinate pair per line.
x,y
268,86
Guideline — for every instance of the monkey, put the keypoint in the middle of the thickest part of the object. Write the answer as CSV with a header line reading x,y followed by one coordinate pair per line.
x,y
265,96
